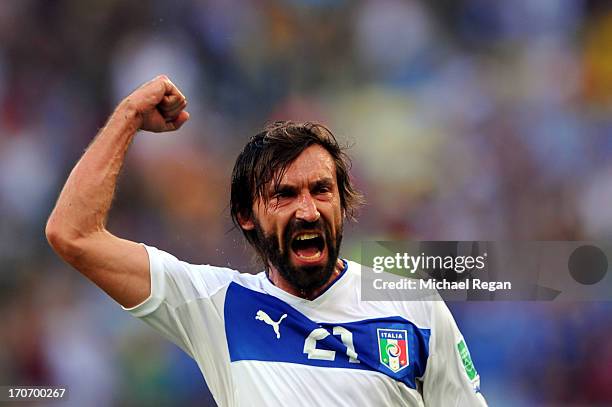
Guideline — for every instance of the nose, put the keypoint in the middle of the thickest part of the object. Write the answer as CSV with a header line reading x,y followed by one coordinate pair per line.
x,y
307,208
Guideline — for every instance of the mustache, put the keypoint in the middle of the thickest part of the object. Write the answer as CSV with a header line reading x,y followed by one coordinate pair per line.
x,y
296,226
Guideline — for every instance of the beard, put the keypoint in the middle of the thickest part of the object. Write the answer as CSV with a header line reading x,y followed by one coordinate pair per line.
x,y
303,278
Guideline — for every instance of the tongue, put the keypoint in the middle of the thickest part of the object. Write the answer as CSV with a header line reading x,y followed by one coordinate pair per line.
x,y
307,251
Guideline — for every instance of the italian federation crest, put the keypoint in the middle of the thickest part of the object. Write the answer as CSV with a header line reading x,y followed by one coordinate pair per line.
x,y
393,348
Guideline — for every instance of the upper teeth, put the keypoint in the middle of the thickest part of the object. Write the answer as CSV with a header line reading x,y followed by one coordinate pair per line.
x,y
307,236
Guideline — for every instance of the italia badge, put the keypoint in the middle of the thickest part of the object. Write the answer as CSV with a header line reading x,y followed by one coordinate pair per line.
x,y
393,348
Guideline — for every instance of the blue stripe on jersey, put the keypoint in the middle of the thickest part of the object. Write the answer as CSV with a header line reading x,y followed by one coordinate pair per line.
x,y
249,338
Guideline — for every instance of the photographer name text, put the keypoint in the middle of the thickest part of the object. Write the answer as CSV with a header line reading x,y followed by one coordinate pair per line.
x,y
442,284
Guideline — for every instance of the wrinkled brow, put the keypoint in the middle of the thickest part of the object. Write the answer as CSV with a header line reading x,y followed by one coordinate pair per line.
x,y
316,184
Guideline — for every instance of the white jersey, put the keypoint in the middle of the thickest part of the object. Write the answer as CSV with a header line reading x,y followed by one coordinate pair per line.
x,y
258,345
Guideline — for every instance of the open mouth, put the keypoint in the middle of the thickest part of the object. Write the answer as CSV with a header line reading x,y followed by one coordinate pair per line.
x,y
308,246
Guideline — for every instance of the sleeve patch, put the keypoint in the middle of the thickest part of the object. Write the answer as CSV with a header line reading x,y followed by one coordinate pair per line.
x,y
466,359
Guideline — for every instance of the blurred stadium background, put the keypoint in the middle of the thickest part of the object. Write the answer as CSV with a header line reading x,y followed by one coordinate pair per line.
x,y
469,119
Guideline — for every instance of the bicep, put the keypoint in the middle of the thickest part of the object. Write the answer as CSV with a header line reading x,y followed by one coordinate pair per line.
x,y
118,266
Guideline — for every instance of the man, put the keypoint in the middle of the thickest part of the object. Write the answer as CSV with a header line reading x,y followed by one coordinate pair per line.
x,y
295,334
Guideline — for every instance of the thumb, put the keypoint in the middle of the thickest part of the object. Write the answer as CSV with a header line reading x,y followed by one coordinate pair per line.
x,y
178,122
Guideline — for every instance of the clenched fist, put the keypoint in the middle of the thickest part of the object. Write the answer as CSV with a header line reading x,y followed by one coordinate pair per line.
x,y
157,106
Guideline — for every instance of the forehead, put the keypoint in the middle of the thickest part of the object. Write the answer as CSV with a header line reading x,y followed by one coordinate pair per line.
x,y
313,163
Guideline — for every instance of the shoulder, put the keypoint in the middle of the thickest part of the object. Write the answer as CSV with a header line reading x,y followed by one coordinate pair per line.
x,y
179,279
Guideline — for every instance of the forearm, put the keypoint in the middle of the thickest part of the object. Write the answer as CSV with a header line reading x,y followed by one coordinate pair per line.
x,y
77,226
85,200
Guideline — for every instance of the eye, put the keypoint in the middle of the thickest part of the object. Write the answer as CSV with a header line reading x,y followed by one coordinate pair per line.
x,y
323,189
282,194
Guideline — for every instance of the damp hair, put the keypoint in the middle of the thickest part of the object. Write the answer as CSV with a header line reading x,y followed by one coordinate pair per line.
x,y
265,159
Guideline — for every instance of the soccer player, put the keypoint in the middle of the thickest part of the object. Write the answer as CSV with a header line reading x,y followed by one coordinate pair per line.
x,y
296,334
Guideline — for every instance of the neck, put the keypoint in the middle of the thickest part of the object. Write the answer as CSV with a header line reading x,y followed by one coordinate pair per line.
x,y
278,280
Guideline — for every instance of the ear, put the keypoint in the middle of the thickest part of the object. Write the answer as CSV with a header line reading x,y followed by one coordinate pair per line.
x,y
246,223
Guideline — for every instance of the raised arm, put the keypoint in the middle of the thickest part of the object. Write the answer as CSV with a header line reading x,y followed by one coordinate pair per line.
x,y
76,228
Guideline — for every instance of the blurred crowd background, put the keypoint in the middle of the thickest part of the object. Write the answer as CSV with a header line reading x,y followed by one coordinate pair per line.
x,y
467,120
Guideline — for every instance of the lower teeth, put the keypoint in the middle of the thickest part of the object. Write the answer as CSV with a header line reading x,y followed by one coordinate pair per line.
x,y
314,256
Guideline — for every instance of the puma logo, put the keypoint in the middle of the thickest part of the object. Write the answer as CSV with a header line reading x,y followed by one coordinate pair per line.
x,y
262,316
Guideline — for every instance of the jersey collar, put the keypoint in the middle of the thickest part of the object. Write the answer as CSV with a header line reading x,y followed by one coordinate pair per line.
x,y
294,299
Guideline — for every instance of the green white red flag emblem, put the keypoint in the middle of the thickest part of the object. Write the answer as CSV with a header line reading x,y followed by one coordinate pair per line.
x,y
393,348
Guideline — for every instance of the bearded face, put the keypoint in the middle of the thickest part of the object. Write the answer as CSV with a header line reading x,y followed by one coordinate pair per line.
x,y
298,229
305,254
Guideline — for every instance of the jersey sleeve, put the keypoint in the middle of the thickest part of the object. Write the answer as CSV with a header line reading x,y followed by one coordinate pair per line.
x,y
450,377
174,285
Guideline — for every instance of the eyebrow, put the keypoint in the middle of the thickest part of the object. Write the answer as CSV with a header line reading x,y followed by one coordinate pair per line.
x,y
321,182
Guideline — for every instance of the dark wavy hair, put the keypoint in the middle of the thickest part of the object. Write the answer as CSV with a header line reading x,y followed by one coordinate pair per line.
x,y
266,157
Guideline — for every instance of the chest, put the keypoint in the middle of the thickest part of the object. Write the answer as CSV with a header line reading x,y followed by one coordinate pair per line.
x,y
264,328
